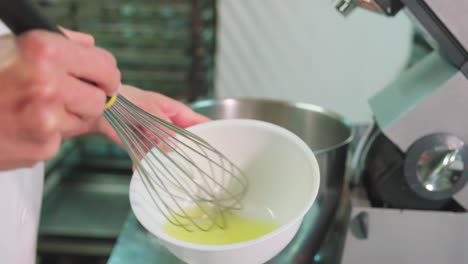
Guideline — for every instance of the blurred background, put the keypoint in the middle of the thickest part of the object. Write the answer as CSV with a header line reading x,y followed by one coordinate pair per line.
x,y
297,50
160,45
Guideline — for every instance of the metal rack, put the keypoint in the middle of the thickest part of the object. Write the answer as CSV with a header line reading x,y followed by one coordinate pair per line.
x,y
160,45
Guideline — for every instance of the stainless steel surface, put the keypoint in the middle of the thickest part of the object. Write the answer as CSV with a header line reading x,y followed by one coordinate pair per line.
x,y
325,132
359,225
85,200
346,6
440,170
138,246
85,204
177,168
321,129
434,166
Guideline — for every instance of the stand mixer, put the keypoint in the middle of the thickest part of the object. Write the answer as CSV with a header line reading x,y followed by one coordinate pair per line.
x,y
411,195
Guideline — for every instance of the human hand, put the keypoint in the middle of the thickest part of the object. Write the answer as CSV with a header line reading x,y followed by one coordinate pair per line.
x,y
156,104
41,97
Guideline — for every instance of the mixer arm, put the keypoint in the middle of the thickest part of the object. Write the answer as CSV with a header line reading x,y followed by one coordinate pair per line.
x,y
388,7
444,22
433,89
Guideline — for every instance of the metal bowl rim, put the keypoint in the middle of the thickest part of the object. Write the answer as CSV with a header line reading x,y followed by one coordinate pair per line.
x,y
298,105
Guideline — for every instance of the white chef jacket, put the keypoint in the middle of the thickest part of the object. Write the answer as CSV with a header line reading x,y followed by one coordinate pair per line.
x,y
20,204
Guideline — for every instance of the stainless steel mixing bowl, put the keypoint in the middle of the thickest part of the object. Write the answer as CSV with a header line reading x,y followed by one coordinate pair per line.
x,y
327,134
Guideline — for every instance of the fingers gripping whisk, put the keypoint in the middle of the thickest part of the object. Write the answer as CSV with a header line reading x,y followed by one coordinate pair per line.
x,y
191,183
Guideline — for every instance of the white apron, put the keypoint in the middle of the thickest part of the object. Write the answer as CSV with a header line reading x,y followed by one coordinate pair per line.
x,y
20,204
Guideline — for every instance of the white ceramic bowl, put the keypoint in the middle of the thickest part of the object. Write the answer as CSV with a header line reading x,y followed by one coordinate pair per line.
x,y
283,175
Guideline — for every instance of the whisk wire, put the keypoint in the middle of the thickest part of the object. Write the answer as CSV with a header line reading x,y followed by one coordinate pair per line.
x,y
170,160
186,158
183,174
201,152
148,180
123,134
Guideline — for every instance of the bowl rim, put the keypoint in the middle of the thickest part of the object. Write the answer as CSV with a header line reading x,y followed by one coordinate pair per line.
x,y
298,105
283,228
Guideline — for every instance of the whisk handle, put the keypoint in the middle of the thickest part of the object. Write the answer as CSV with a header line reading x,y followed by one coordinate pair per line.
x,y
24,15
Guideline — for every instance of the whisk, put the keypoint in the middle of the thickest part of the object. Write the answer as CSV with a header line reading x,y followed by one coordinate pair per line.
x,y
190,182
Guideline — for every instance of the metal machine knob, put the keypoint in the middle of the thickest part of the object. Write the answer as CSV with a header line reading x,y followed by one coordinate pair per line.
x,y
345,6
440,169
426,177
435,166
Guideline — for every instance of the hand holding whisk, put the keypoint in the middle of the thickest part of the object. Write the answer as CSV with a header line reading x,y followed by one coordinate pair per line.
x,y
188,180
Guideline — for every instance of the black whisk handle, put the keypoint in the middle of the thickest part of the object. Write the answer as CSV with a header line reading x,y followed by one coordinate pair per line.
x,y
24,15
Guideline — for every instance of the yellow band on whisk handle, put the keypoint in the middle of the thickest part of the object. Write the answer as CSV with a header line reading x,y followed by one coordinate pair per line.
x,y
110,101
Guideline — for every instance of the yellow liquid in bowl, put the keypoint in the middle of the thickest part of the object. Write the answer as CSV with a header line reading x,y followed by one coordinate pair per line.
x,y
239,229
